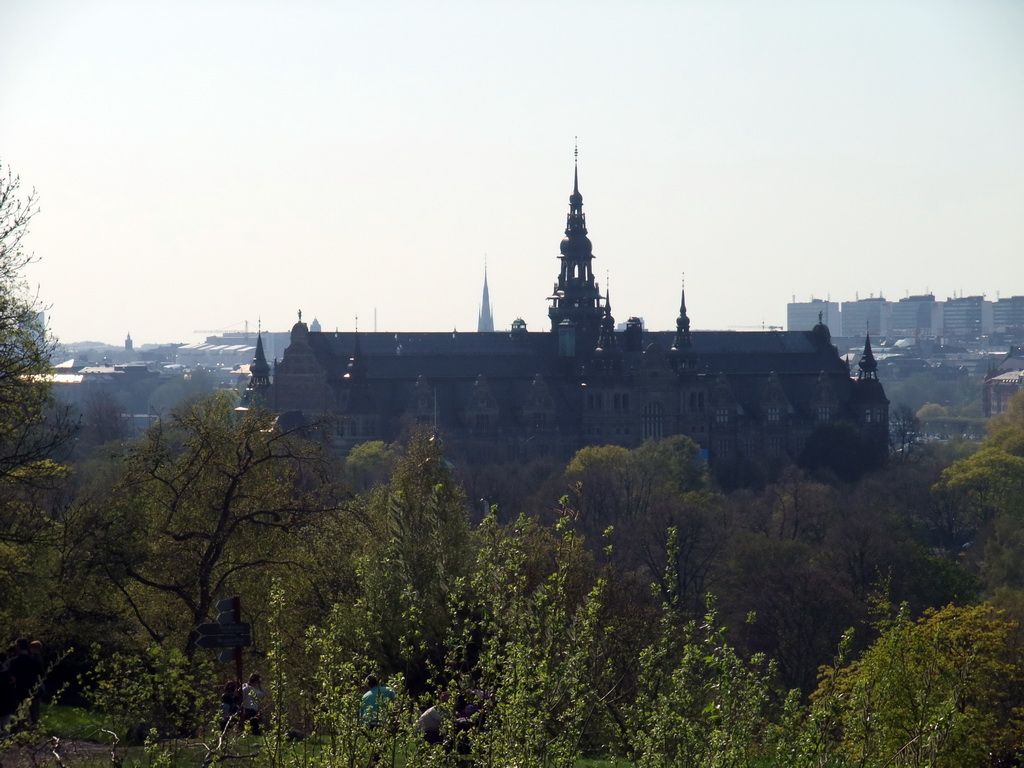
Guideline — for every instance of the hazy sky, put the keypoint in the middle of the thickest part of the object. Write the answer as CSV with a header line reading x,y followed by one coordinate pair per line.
x,y
203,164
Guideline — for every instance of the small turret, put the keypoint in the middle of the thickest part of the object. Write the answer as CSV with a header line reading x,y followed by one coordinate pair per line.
x,y
868,365
259,374
682,339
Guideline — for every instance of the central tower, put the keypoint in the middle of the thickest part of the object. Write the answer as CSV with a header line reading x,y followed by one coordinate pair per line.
x,y
576,297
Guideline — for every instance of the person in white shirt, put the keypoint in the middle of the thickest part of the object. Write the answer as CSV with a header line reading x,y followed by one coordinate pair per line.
x,y
252,692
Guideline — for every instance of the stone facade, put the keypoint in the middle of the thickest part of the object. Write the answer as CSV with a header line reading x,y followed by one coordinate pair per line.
x,y
752,398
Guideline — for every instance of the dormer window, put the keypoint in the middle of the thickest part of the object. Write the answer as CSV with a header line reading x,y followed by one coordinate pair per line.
x,y
774,415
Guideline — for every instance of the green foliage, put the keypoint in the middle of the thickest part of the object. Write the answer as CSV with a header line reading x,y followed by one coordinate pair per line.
x,y
369,464
544,666
32,427
699,703
418,547
159,689
1006,431
939,691
990,483
205,500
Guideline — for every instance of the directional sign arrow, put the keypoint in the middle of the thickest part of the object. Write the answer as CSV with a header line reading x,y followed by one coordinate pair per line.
x,y
223,635
222,641
214,629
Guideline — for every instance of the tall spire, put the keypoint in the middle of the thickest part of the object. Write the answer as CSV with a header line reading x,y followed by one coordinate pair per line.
x,y
486,322
682,339
576,296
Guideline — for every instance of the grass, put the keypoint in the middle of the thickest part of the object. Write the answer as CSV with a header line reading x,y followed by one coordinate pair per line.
x,y
75,723
71,723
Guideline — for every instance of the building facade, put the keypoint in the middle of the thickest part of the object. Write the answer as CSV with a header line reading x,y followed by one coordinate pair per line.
x,y
804,315
916,316
746,398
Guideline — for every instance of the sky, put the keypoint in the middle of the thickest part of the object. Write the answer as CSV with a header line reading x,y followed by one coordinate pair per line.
x,y
210,165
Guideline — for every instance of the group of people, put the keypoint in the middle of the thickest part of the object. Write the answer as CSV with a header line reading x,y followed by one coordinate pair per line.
x,y
439,723
241,705
21,679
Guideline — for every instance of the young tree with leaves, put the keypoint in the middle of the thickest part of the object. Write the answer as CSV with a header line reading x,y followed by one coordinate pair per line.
x,y
206,500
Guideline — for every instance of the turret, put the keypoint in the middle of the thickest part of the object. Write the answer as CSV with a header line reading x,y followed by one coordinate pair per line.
x,y
259,374
576,296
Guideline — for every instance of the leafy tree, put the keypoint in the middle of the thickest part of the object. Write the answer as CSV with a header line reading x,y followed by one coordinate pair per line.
x,y
369,464
638,495
700,703
417,548
205,500
32,427
546,644
1006,431
989,483
939,691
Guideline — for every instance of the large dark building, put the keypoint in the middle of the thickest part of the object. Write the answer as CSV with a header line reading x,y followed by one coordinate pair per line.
x,y
748,399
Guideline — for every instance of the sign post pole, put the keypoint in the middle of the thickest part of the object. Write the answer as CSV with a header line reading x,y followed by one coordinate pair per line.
x,y
230,614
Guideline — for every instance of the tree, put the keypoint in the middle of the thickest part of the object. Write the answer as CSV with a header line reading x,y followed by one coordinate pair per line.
x,y
1006,431
904,434
32,427
418,547
205,500
939,691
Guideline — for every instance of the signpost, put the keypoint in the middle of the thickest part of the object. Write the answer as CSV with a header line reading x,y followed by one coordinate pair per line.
x,y
223,635
228,632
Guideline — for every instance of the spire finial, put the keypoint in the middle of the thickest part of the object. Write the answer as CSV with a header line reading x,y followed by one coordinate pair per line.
x,y
576,170
300,315
357,323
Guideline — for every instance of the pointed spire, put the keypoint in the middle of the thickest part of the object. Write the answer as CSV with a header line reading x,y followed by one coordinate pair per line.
x,y
259,373
682,339
576,221
356,368
576,295
868,365
485,323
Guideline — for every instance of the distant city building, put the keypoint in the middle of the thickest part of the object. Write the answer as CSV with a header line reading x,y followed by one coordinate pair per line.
x,y
916,316
128,345
1008,315
804,315
862,316
967,317
1003,380
751,400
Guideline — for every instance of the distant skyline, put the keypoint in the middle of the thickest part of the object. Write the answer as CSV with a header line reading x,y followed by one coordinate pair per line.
x,y
203,163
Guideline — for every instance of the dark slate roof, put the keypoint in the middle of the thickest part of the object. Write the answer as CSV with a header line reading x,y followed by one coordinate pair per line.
x,y
466,355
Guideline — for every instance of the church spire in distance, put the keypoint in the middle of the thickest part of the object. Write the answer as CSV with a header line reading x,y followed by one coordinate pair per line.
x,y
259,372
682,339
485,324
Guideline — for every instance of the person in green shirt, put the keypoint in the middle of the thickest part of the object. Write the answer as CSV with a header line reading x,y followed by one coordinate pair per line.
x,y
374,700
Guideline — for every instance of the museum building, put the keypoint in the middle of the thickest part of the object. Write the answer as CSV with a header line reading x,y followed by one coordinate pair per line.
x,y
744,397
